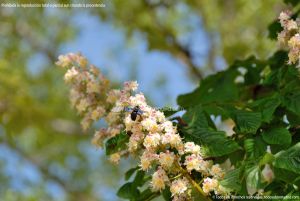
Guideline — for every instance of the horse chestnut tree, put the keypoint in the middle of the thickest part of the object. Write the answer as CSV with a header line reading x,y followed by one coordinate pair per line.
x,y
190,157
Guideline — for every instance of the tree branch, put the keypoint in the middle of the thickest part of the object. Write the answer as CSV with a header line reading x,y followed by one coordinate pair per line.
x,y
186,56
183,53
42,169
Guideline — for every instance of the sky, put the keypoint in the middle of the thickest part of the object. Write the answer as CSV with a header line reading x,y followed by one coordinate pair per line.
x,y
106,47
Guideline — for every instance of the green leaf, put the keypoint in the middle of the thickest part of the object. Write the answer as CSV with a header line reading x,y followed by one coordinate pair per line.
x,y
293,119
267,158
130,172
278,59
292,102
168,111
128,191
275,135
253,176
249,146
246,121
255,147
266,106
285,175
201,132
117,143
274,28
196,115
219,87
147,194
139,178
232,180
166,193
289,159
290,79
260,147
236,157
211,140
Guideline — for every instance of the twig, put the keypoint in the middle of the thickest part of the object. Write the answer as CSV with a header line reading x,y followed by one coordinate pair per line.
x,y
192,181
182,52
41,168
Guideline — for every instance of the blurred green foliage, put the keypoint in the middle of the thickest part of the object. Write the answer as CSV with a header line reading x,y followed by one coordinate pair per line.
x,y
37,122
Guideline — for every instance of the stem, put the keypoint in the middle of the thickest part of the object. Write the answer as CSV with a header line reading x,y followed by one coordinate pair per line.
x,y
195,185
177,176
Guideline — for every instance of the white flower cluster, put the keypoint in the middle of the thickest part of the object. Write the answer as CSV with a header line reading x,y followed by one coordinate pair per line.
x,y
290,36
88,88
153,138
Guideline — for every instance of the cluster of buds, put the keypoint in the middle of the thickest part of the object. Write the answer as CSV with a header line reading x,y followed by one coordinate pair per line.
x,y
153,138
289,36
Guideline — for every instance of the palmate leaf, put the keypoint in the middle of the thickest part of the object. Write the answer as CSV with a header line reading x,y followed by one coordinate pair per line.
x,y
214,143
289,159
275,135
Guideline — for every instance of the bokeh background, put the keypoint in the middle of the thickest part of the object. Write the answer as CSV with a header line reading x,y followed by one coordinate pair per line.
x,y
166,45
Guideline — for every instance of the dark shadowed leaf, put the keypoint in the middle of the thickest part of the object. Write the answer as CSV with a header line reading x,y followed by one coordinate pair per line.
x,y
274,28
